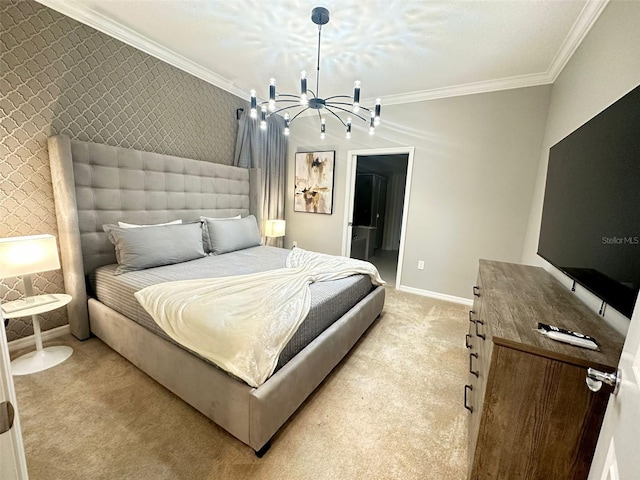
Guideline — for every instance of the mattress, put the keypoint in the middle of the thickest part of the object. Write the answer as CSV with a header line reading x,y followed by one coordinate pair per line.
x,y
329,300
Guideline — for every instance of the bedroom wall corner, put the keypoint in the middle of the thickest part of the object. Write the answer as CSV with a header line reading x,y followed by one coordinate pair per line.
x,y
60,76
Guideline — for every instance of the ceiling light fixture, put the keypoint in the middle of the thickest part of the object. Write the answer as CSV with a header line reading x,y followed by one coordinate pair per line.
x,y
335,105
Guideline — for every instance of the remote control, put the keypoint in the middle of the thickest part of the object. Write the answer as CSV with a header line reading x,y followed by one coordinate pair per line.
x,y
553,328
571,339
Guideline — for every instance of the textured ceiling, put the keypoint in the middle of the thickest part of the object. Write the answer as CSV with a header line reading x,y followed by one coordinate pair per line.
x,y
401,50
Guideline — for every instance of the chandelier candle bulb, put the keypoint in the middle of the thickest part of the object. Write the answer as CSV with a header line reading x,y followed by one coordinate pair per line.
x,y
377,112
356,96
263,118
272,94
286,124
303,88
254,105
323,129
348,128
372,128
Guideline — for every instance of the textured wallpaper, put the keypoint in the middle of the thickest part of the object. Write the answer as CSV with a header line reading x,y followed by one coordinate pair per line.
x,y
60,76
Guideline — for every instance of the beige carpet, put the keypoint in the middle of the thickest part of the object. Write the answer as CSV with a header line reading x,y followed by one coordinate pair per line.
x,y
391,409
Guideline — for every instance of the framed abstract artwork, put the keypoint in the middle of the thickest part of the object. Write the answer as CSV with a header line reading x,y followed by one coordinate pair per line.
x,y
314,182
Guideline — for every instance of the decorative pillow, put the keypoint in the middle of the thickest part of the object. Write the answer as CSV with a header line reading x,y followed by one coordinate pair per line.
x,y
140,248
231,235
133,225
205,230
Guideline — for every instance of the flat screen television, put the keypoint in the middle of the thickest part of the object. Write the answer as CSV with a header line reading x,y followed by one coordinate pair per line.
x,y
591,213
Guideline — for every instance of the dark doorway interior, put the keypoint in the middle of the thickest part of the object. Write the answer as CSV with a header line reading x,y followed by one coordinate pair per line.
x,y
377,212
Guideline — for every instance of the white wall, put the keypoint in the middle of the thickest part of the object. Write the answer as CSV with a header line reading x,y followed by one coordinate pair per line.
x,y
605,67
475,165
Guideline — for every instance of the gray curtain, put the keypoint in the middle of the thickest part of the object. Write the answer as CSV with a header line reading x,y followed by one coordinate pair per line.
x,y
267,150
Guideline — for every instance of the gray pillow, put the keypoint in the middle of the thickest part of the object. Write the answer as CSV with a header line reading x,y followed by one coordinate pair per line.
x,y
205,230
231,234
140,248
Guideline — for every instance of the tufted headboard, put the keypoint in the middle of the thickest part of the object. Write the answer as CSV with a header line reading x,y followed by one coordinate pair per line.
x,y
96,184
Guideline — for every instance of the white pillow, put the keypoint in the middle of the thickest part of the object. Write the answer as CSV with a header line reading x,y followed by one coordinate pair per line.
x,y
204,219
133,225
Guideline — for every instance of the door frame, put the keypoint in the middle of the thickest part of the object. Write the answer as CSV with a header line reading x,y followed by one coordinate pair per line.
x,y
352,162
13,446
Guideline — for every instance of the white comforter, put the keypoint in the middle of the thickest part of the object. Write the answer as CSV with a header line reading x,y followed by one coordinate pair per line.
x,y
242,323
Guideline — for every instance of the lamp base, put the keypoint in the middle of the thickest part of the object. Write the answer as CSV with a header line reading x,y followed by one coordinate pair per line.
x,y
40,360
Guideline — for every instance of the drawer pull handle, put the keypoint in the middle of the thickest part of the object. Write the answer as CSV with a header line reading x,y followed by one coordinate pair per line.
x,y
478,334
472,312
471,370
476,291
467,337
468,407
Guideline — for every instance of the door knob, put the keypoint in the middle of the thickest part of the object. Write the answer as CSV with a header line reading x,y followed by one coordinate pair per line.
x,y
595,379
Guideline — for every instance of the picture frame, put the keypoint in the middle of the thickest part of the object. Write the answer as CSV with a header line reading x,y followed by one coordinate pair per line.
x,y
314,179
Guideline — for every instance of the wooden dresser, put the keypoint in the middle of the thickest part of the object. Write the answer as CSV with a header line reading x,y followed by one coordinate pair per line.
x,y
532,415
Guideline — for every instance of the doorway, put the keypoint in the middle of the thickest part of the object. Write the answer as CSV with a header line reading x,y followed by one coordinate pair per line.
x,y
376,208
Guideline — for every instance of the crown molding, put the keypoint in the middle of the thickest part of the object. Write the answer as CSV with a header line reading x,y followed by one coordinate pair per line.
x,y
588,16
465,89
86,15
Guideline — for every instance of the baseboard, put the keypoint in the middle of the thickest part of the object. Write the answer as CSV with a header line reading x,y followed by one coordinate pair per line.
x,y
436,295
30,341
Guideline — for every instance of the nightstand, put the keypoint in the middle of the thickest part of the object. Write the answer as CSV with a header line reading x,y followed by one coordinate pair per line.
x,y
42,358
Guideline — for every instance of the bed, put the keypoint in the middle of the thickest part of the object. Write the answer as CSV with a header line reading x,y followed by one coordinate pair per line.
x,y
98,184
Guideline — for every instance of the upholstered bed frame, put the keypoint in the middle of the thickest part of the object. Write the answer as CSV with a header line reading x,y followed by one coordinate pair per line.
x,y
96,184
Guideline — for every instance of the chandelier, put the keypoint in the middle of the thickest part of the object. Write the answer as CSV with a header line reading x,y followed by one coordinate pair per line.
x,y
340,106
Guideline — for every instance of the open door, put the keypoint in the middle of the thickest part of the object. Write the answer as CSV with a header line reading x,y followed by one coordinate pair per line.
x,y
13,464
617,454
377,196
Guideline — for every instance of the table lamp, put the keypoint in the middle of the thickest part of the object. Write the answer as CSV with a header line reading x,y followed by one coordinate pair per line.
x,y
22,257
274,228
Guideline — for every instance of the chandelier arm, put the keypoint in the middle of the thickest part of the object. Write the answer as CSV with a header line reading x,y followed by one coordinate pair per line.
x,y
312,92
333,105
283,100
284,108
349,104
335,115
287,95
338,96
297,115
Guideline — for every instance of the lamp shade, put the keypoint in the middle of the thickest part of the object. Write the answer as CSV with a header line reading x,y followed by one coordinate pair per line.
x,y
27,255
274,228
